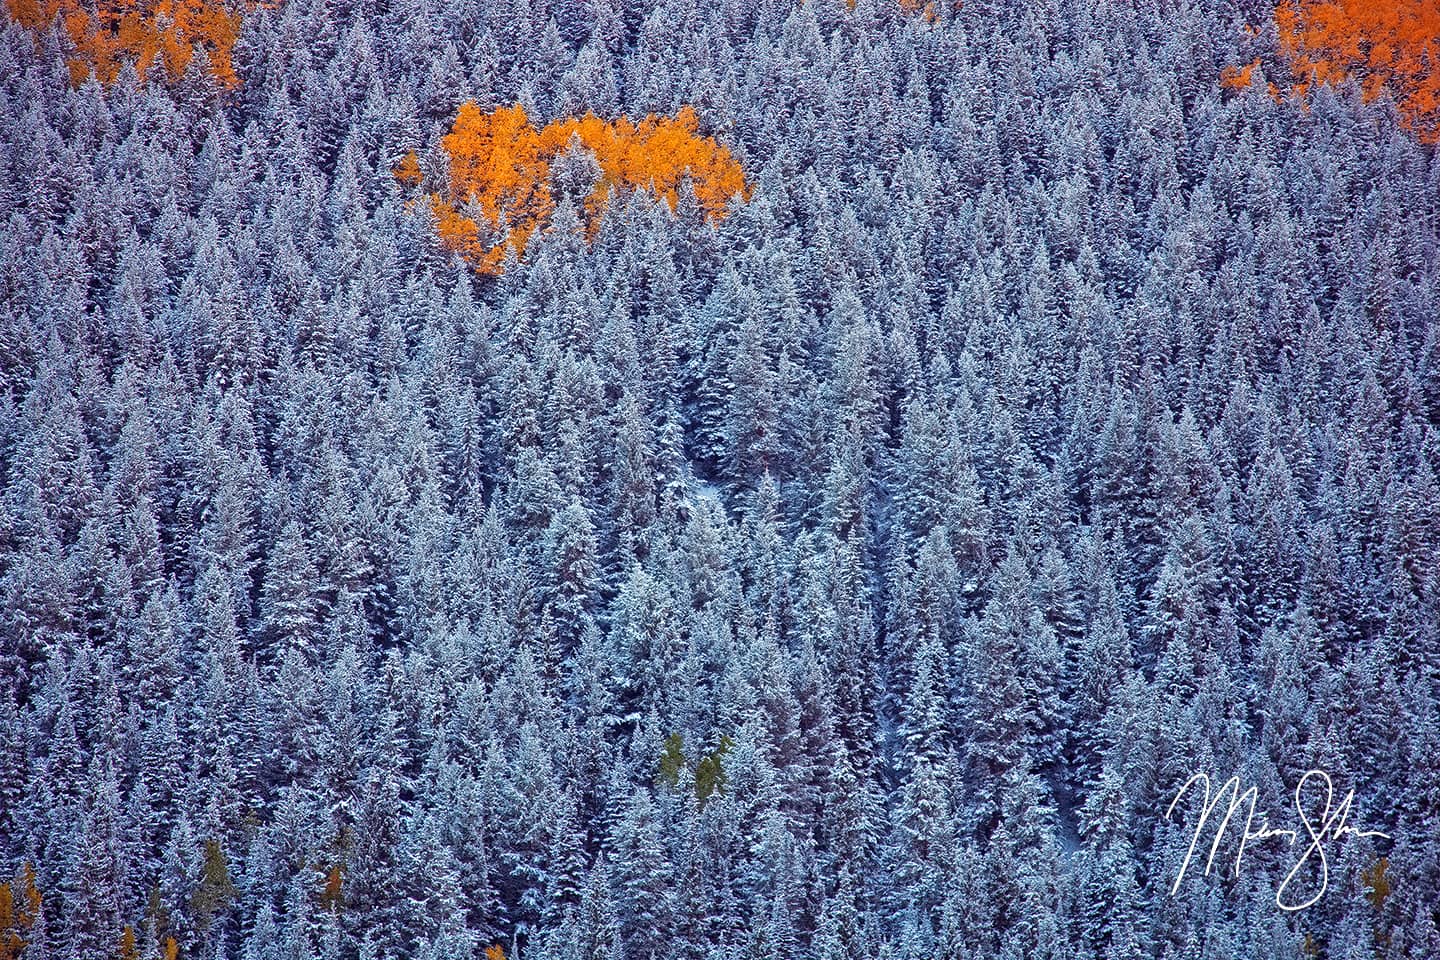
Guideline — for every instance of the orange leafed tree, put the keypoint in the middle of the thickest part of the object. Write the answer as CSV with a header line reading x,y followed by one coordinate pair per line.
x,y
19,906
1383,45
498,186
127,949
332,894
926,8
408,171
1238,78
113,32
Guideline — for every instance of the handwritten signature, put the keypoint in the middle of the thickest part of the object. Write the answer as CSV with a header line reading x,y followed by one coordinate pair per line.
x,y
1332,825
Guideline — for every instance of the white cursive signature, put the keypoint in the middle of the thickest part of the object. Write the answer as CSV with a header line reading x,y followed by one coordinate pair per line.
x,y
1332,824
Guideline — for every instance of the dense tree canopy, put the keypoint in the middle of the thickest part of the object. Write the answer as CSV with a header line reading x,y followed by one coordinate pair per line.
x,y
850,504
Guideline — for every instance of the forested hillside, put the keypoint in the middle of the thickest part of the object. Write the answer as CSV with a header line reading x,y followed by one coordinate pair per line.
x,y
794,479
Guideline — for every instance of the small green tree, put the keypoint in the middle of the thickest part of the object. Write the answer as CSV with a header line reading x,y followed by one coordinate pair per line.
x,y
709,770
215,890
672,760
710,775
157,915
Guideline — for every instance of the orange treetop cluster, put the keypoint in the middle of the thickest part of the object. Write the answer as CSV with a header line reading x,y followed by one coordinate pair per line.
x,y
1384,45
926,8
499,188
116,31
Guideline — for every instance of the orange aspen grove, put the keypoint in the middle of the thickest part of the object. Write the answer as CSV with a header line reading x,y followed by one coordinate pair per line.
x,y
1391,46
115,32
498,187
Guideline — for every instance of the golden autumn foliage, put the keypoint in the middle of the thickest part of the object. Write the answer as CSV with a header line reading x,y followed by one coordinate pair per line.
x,y
127,948
499,185
1384,45
408,171
109,33
19,906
